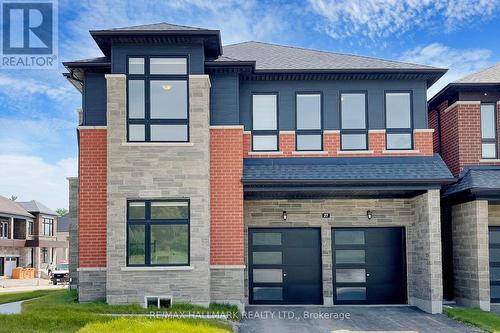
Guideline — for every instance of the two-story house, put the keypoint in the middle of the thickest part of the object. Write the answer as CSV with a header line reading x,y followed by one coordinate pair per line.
x,y
28,236
464,115
253,173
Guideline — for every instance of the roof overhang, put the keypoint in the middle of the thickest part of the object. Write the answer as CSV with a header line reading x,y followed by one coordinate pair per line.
x,y
211,38
248,71
455,87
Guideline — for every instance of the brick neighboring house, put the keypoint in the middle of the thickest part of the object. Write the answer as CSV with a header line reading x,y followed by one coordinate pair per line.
x,y
27,236
464,115
252,173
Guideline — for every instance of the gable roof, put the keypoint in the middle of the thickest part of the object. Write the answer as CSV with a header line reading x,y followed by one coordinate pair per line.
x,y
34,206
476,181
274,57
10,207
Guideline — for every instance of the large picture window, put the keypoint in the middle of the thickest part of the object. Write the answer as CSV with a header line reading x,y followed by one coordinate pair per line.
x,y
158,99
488,131
398,120
354,123
158,233
48,226
265,122
308,133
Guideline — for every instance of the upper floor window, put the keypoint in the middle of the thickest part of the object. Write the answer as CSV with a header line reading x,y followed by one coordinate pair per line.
x,y
398,120
488,131
30,228
158,233
4,229
158,99
354,123
48,226
309,134
265,122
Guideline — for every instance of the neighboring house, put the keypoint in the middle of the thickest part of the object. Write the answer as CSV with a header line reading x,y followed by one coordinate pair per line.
x,y
44,239
27,236
464,115
62,253
253,174
16,226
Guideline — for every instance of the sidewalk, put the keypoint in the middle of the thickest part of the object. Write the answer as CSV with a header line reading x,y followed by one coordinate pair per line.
x,y
13,285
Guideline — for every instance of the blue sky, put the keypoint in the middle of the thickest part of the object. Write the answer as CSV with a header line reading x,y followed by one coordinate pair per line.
x,y
38,107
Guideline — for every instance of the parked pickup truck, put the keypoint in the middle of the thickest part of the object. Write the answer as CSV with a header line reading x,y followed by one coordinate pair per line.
x,y
60,274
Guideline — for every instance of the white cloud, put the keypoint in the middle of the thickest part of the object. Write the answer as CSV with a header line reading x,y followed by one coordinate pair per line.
x,y
26,86
459,61
378,19
31,178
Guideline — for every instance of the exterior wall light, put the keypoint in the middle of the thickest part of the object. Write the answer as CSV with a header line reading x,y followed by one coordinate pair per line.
x,y
369,214
284,215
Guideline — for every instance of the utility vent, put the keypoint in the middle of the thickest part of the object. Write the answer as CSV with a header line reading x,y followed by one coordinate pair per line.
x,y
157,301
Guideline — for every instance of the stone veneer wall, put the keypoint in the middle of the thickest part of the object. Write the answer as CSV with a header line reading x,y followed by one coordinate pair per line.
x,y
73,230
154,171
470,254
422,234
425,287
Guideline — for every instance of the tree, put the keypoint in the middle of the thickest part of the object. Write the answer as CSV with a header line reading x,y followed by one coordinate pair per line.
x,y
13,197
62,211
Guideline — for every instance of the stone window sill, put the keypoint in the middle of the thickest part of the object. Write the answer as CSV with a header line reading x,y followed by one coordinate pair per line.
x,y
265,153
157,268
489,160
310,152
350,152
401,151
157,144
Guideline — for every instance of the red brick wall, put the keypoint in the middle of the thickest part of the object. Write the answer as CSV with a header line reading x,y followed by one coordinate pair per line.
x,y
226,196
331,144
461,135
92,199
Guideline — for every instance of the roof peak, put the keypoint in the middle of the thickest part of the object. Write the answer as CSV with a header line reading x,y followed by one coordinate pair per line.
x,y
154,27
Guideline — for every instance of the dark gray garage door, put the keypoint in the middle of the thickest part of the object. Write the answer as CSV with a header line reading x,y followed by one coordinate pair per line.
x,y
369,265
285,266
494,240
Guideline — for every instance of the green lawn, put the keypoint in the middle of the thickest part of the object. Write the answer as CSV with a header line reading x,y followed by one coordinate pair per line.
x,y
20,296
59,312
487,321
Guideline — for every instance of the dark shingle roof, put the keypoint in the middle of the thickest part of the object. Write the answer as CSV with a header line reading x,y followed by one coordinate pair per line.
x,y
34,206
276,57
476,178
91,61
347,170
63,223
156,27
488,75
10,207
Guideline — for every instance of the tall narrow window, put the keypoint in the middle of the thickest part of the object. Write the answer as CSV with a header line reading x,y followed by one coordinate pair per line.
x,y
265,122
158,233
354,127
30,228
48,226
4,229
309,134
398,122
488,131
158,99
45,255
